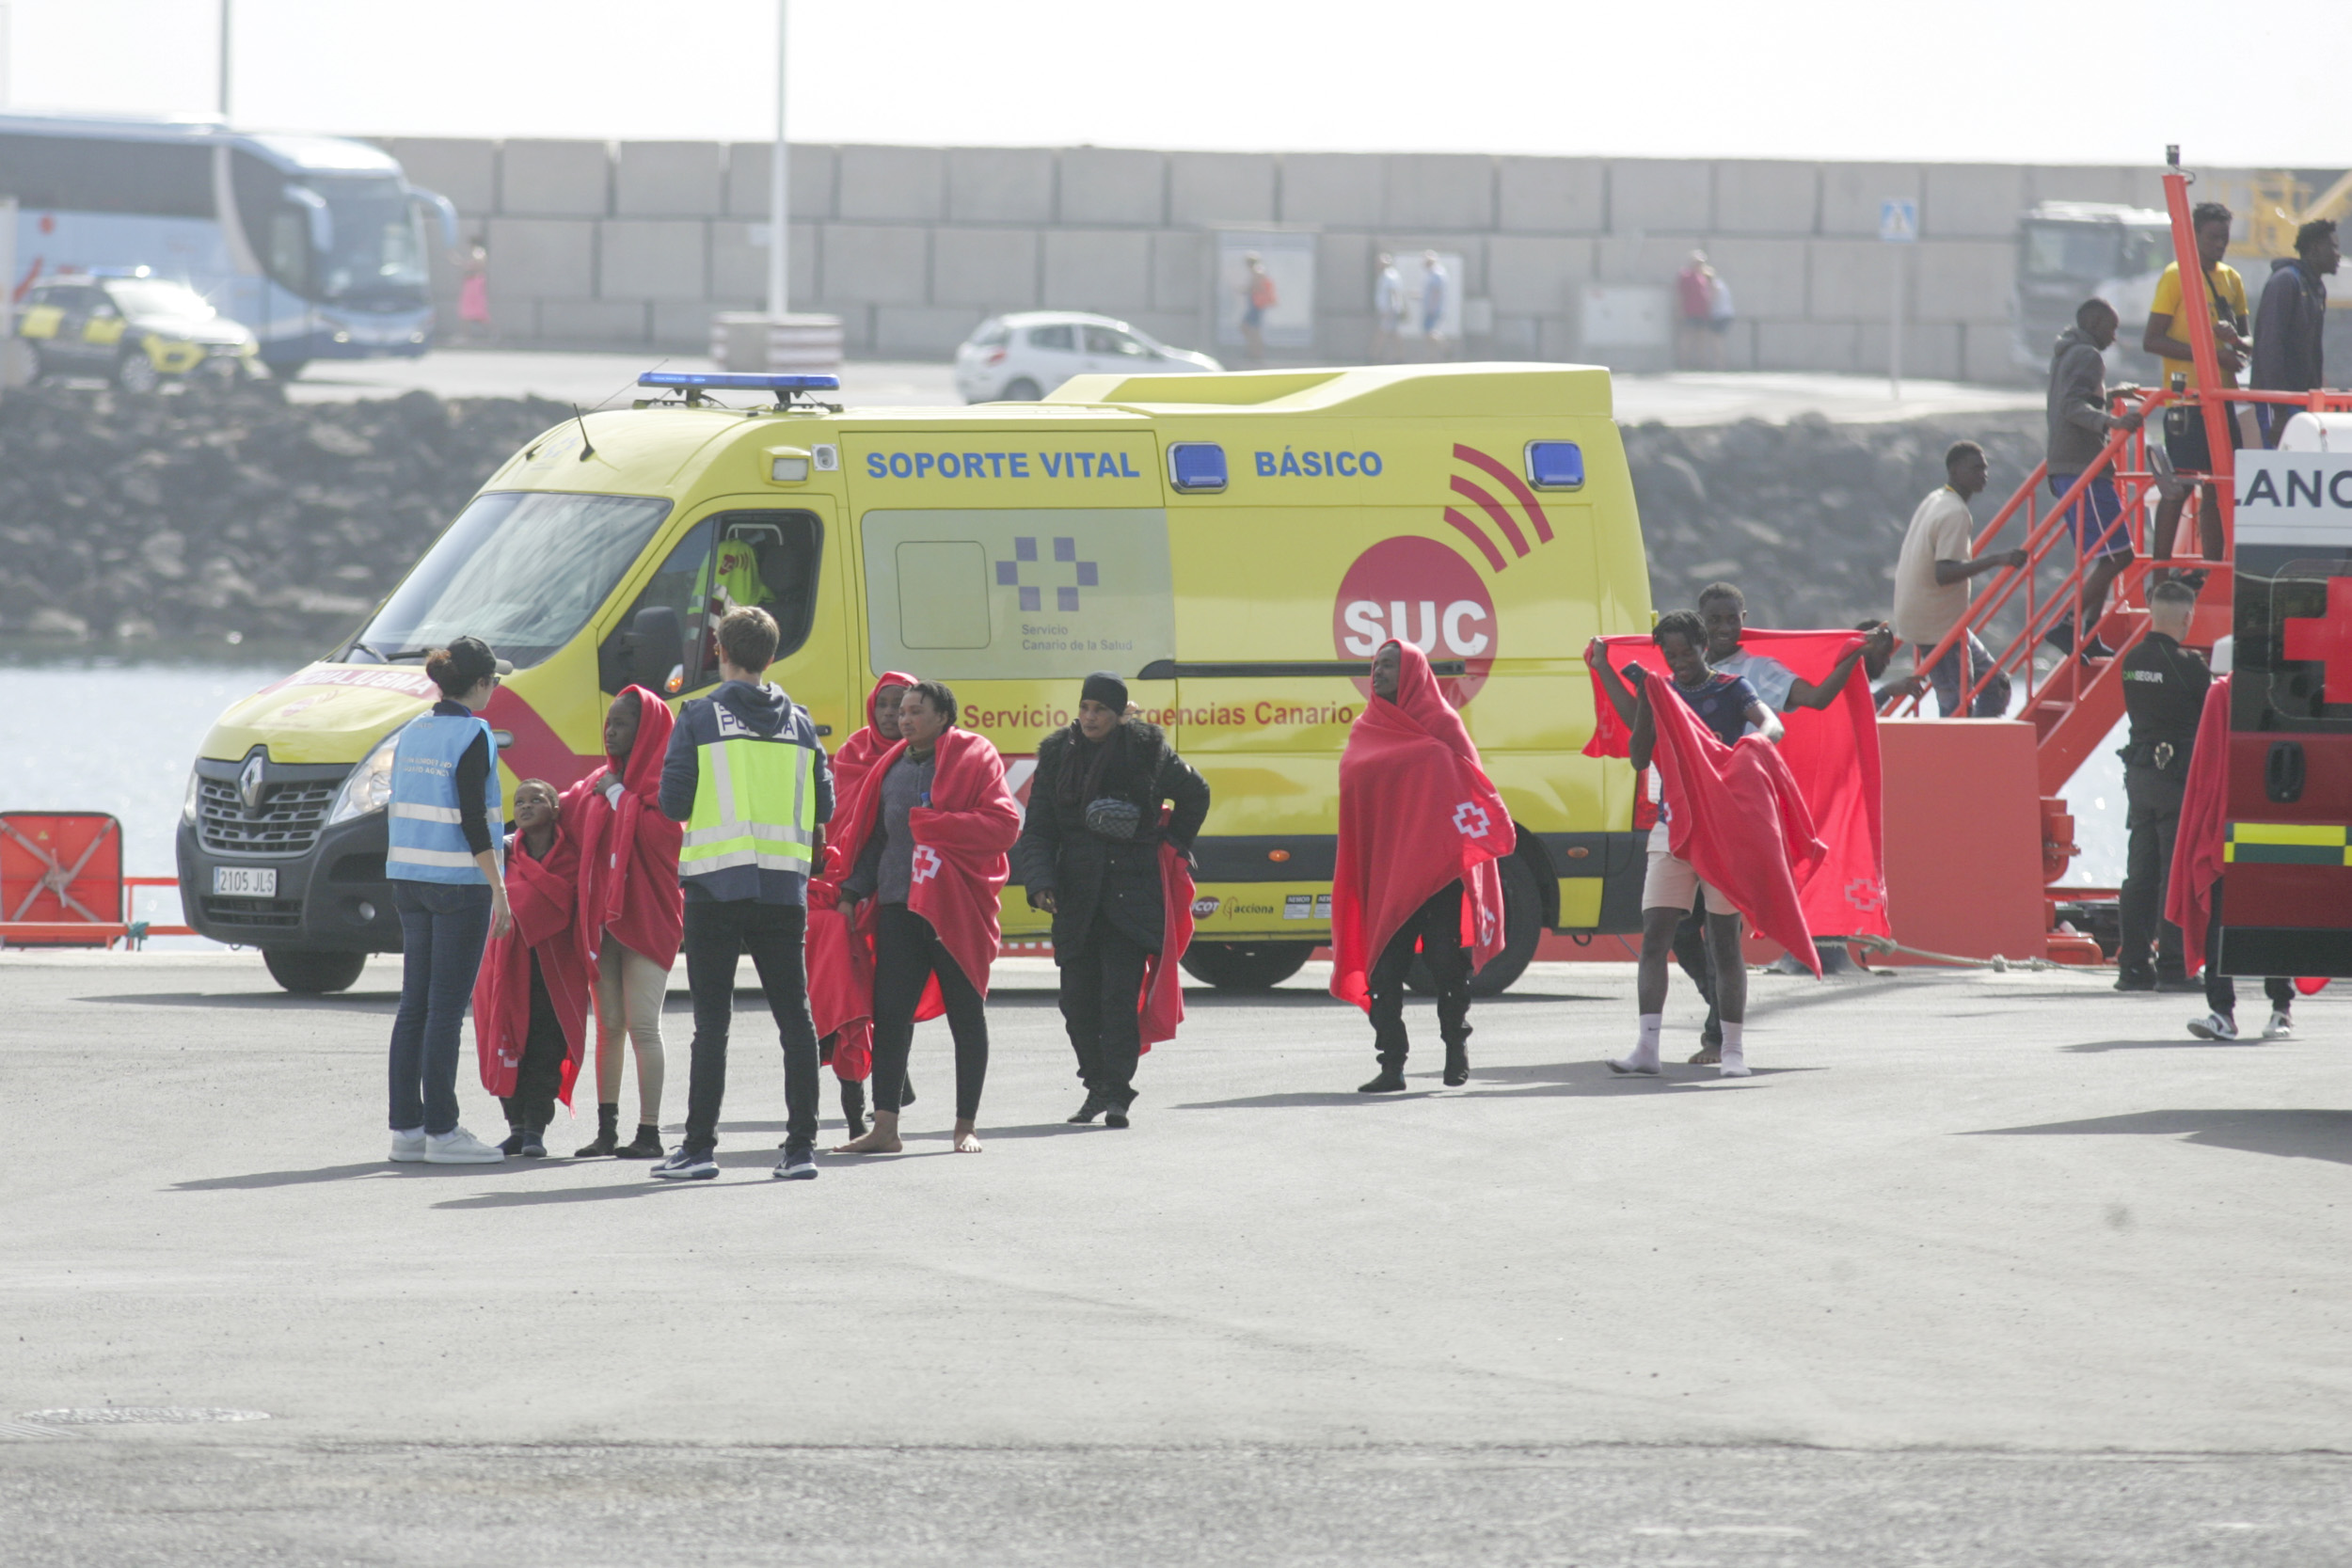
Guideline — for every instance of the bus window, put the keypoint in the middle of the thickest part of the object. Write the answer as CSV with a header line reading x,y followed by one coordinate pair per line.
x,y
1017,595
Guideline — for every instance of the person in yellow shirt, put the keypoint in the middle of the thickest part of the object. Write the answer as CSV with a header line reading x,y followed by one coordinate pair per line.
x,y
2167,337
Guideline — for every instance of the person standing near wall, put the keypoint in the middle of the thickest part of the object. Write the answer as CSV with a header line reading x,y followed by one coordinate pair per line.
x,y
1388,310
1257,298
926,845
2289,353
1094,854
746,773
1694,301
1436,284
631,913
451,894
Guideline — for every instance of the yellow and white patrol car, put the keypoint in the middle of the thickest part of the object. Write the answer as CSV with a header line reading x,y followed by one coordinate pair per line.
x,y
134,329
1235,545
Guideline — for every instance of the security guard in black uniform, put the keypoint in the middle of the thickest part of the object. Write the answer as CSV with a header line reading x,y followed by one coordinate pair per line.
x,y
2164,695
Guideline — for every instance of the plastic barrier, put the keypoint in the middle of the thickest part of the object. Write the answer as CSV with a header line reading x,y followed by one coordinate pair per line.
x,y
61,882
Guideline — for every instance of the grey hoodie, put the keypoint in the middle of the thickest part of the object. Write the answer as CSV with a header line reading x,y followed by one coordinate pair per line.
x,y
2079,421
764,711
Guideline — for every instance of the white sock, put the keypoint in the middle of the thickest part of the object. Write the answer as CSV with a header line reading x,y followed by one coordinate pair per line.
x,y
1646,1049
1731,1039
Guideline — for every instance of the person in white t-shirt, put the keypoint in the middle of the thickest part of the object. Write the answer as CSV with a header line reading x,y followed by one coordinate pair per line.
x,y
1931,578
1388,310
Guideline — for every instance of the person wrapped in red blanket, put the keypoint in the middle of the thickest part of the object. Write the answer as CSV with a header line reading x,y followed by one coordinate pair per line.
x,y
1420,827
2193,891
1733,834
633,912
531,998
924,843
1102,853
841,962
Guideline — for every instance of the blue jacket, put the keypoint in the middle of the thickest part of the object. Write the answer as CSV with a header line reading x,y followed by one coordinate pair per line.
x,y
766,711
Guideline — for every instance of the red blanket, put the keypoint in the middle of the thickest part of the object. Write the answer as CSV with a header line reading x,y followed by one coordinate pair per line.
x,y
1741,822
841,961
959,843
1417,811
542,894
2197,842
1833,753
627,849
1163,1001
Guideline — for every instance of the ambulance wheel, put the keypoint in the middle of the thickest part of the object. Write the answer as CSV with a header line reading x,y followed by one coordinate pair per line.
x,y
1246,965
314,972
1023,391
1522,928
136,372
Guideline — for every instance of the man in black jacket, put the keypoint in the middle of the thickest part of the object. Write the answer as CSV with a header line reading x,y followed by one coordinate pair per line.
x,y
2291,320
2164,694
1090,856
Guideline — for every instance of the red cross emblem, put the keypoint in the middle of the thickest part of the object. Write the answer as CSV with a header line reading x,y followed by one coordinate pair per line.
x,y
2327,639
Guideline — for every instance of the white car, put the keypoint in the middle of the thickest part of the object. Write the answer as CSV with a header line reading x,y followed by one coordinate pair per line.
x,y
1020,357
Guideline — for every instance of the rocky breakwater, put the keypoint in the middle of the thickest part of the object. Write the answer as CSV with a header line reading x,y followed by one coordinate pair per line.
x,y
1808,516
129,521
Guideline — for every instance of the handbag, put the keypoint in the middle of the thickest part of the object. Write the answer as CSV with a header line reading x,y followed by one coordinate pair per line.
x,y
1111,818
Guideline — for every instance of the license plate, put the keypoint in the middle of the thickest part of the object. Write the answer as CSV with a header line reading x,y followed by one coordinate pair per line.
x,y
239,881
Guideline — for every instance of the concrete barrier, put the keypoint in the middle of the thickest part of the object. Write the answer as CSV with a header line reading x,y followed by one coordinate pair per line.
x,y
1098,269
813,174
1652,194
1434,191
1206,188
555,179
1757,196
669,179
995,269
1343,189
871,264
1000,185
466,172
1113,186
893,185
1551,196
653,259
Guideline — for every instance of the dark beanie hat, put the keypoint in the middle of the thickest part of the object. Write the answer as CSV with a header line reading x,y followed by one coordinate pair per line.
x,y
1106,688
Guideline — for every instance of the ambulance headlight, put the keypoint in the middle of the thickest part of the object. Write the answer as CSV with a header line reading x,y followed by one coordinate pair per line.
x,y
1195,468
369,786
196,788
1555,464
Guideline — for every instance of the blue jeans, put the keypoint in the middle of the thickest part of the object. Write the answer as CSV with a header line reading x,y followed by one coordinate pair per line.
x,y
1992,703
443,927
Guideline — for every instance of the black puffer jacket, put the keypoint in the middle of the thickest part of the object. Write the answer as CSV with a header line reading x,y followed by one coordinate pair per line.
x,y
1086,872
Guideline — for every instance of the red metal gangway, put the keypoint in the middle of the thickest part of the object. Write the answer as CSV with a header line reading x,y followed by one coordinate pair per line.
x,y
2077,703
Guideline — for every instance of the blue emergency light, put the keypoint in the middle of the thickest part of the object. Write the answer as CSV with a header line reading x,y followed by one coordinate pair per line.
x,y
1195,468
722,381
1555,464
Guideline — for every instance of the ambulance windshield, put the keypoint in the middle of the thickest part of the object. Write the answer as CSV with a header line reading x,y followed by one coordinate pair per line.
x,y
522,570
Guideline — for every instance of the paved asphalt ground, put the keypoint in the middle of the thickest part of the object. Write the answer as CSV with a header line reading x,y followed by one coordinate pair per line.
x,y
1977,1269
1690,398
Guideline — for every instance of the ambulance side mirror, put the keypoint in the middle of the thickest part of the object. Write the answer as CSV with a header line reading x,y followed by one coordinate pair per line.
x,y
644,651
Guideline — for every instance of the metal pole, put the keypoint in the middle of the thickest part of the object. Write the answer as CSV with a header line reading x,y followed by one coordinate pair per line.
x,y
1895,327
4,56
225,30
779,194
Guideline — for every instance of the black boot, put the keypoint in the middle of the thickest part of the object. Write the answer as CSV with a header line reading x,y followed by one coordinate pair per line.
x,y
645,1146
1390,1081
1096,1103
1115,1107
608,1134
534,1143
513,1142
853,1106
1457,1063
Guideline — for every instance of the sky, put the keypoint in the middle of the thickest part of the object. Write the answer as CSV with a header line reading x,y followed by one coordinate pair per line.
x,y
1995,81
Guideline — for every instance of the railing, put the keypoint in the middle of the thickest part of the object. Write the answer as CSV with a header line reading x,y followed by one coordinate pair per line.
x,y
129,930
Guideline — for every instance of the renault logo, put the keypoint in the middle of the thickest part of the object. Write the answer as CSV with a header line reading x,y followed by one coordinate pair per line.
x,y
250,783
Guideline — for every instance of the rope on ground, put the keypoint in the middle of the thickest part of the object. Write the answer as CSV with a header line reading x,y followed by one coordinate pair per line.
x,y
1882,947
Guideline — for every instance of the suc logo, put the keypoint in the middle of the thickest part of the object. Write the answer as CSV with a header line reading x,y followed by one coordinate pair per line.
x,y
1417,591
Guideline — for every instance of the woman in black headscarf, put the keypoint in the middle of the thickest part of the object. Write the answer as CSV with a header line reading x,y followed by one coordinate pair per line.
x,y
1090,856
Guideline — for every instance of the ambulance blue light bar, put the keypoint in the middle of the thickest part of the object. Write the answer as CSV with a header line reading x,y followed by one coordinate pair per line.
x,y
722,381
1555,464
1195,468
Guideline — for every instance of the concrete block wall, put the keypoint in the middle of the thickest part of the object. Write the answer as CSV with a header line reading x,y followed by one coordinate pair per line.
x,y
636,244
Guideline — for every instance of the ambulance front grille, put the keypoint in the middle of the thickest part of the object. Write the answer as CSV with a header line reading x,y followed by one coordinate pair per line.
x,y
287,823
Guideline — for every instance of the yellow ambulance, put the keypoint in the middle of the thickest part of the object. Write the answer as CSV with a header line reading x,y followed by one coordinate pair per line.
x,y
1236,546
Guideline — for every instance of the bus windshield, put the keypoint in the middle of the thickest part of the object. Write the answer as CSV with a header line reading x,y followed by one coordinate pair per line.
x,y
521,569
378,249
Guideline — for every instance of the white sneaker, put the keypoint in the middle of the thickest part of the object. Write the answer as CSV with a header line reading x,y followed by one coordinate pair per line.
x,y
1633,1061
2214,1026
1734,1065
409,1147
458,1147
2280,1027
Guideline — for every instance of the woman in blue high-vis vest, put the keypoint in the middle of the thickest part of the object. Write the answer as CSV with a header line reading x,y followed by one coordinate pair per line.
x,y
451,893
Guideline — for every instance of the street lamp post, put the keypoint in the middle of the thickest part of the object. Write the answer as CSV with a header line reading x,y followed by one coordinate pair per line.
x,y
225,30
779,191
775,339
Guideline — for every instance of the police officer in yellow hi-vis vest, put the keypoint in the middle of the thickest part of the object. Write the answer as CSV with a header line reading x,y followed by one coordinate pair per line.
x,y
747,775
451,893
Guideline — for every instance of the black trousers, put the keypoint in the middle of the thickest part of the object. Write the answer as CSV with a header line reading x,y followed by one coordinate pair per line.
x,y
1102,984
2152,819
540,1073
1691,952
1436,928
2220,989
907,953
718,931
